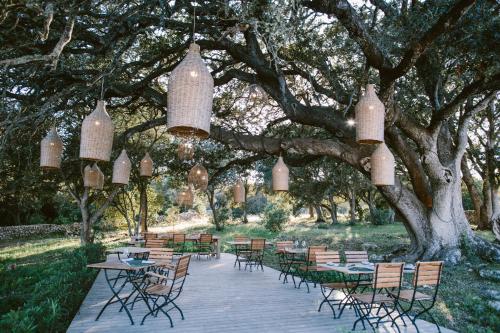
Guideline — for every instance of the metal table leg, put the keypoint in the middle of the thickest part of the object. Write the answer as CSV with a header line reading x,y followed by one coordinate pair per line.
x,y
115,295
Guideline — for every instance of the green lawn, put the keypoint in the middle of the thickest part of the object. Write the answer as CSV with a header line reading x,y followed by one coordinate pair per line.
x,y
40,294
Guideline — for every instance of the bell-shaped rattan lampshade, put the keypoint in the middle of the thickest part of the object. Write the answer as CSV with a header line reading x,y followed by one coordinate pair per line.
x,y
121,169
100,177
280,176
239,192
51,151
146,169
96,139
190,96
382,166
185,151
185,197
370,113
90,177
198,177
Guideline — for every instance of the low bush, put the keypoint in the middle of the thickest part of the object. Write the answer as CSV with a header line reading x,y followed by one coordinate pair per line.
x,y
44,293
275,217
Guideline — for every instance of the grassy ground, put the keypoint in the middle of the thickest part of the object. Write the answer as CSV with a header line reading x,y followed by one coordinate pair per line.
x,y
27,290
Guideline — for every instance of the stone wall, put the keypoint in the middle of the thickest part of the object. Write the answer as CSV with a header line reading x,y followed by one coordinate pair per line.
x,y
38,230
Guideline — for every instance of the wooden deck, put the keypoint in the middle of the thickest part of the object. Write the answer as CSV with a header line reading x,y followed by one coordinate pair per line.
x,y
219,298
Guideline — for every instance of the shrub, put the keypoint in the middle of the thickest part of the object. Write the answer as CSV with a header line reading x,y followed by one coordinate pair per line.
x,y
256,204
275,217
237,212
44,296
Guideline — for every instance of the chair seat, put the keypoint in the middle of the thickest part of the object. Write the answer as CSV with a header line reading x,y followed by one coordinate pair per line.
x,y
407,295
367,298
314,268
339,285
165,264
159,289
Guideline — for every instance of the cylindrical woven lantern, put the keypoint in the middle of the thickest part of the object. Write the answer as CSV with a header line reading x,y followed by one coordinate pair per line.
x,y
198,177
239,192
280,176
121,169
100,177
185,152
90,177
96,139
146,166
51,150
190,96
370,113
185,197
382,166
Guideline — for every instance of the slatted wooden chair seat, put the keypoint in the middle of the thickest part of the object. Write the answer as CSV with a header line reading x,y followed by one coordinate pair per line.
x,y
407,295
367,298
159,289
238,249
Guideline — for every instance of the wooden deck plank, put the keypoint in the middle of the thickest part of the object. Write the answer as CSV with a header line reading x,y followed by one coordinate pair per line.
x,y
220,298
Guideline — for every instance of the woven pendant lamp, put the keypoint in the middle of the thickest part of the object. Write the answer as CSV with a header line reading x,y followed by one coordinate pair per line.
x,y
90,177
198,177
190,96
51,151
97,135
185,197
121,169
185,151
100,177
280,176
382,166
146,169
370,113
239,192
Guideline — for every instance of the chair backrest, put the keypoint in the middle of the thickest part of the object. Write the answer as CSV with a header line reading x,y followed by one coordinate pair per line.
x,y
179,238
355,256
328,256
257,244
182,266
162,254
388,275
311,251
240,238
155,243
282,245
206,238
427,273
150,235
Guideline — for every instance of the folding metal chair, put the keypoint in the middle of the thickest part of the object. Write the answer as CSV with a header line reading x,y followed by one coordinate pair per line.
x,y
306,270
427,275
255,255
386,276
282,257
166,290
205,246
238,249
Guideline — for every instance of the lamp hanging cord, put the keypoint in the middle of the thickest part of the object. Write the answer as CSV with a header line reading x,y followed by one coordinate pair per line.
x,y
102,88
194,20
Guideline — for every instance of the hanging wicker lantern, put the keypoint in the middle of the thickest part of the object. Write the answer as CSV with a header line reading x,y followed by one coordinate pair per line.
x,y
51,151
185,151
382,166
185,198
97,135
100,177
90,177
370,113
190,96
121,169
146,166
280,176
198,177
239,192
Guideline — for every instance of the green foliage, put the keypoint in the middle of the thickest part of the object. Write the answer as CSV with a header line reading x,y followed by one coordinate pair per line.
x,y
44,294
275,217
256,204
237,212
381,216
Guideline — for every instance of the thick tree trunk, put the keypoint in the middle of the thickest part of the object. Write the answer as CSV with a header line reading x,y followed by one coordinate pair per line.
x,y
352,207
333,209
213,207
86,229
143,209
245,213
311,211
473,191
319,214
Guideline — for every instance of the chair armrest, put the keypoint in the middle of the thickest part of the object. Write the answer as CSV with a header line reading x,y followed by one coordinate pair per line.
x,y
156,275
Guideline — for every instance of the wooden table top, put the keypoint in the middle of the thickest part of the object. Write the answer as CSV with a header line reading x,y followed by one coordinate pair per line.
x,y
295,250
188,237
129,249
118,265
355,269
248,242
